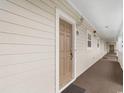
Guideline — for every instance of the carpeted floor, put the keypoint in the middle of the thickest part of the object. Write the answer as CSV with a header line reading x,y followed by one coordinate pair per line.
x,y
74,89
105,76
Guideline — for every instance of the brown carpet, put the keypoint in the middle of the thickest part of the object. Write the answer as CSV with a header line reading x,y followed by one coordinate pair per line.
x,y
105,76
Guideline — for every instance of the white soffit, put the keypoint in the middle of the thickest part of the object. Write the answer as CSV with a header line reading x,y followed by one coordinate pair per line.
x,y
105,15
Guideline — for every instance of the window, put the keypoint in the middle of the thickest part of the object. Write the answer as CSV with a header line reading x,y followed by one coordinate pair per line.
x,y
89,40
97,43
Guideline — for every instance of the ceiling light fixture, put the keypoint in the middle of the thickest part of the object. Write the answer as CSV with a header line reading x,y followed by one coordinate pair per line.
x,y
79,24
94,33
106,26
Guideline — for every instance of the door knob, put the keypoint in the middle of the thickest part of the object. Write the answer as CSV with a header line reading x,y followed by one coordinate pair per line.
x,y
71,54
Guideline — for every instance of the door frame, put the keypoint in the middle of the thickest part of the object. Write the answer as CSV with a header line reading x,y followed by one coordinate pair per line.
x,y
61,14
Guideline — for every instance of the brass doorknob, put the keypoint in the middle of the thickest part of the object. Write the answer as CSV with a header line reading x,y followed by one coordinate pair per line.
x,y
71,54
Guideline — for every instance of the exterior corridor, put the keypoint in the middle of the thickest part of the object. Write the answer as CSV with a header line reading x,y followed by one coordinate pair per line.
x,y
105,76
47,46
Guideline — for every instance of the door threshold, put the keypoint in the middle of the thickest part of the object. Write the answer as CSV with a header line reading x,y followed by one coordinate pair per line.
x,y
67,85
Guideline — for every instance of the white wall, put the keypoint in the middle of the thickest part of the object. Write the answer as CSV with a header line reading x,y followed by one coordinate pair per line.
x,y
85,56
120,48
27,45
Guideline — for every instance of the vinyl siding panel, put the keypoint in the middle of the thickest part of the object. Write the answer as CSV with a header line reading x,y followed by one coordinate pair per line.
x,y
27,47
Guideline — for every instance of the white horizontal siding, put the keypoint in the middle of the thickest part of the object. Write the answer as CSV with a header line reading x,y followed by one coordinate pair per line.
x,y
27,46
28,81
24,31
87,57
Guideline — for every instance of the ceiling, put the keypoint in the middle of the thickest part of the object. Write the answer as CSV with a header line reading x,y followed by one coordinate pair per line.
x,y
105,15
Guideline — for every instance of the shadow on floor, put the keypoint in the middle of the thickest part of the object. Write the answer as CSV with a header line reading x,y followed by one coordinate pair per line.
x,y
74,89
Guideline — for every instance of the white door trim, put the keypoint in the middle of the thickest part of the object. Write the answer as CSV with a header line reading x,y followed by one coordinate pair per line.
x,y
66,17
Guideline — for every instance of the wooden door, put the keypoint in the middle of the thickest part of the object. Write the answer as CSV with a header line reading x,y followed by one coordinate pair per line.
x,y
65,43
111,49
